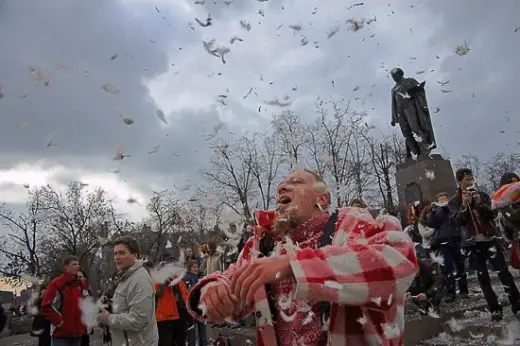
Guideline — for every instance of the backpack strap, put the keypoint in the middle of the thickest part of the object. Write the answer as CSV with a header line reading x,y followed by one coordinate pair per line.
x,y
265,247
325,240
330,230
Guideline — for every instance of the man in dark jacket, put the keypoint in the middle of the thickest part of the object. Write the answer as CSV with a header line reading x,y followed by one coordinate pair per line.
x,y
471,210
428,287
61,305
447,239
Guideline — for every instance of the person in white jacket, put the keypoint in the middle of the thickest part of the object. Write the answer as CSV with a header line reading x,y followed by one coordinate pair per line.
x,y
132,320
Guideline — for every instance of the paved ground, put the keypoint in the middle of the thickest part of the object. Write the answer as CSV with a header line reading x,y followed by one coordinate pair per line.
x,y
476,328
27,340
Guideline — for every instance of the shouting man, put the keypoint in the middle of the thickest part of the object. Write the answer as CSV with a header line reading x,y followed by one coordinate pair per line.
x,y
305,271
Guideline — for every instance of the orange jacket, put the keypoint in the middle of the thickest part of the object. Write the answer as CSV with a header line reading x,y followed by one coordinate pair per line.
x,y
166,309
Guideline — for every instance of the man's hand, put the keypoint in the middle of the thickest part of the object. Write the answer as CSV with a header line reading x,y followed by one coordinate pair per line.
x,y
466,197
251,276
420,297
218,300
102,318
407,295
476,199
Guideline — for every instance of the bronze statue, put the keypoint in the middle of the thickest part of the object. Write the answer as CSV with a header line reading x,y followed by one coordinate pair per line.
x,y
410,111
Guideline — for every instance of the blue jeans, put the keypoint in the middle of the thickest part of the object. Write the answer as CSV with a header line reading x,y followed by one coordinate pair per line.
x,y
453,259
66,342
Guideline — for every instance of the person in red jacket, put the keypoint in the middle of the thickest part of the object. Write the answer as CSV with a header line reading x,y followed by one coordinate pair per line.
x,y
61,305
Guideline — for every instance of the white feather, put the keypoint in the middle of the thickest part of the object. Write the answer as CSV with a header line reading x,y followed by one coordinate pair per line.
x,y
437,258
164,272
89,312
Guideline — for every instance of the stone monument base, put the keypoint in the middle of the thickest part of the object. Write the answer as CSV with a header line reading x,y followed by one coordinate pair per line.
x,y
422,179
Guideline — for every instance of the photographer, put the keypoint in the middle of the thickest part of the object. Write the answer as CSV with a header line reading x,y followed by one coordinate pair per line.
x,y
447,239
132,320
471,210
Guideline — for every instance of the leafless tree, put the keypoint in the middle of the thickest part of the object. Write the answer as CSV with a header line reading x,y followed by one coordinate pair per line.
x,y
498,165
487,173
75,219
266,157
202,213
290,133
472,162
318,147
231,173
383,158
341,131
397,147
21,248
164,219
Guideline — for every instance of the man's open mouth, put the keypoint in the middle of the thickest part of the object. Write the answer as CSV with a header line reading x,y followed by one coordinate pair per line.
x,y
283,201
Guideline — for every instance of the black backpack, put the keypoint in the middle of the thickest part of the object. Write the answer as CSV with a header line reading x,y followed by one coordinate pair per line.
x,y
267,245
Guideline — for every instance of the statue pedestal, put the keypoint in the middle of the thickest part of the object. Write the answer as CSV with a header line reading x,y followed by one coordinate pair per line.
x,y
422,180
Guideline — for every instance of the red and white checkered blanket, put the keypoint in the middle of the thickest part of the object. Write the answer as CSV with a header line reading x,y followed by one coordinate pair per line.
x,y
364,274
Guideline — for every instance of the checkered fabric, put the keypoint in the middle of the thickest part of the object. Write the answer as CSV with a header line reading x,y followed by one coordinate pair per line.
x,y
364,274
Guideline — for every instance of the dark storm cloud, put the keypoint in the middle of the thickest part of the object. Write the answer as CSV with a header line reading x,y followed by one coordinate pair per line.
x,y
480,114
159,50
87,45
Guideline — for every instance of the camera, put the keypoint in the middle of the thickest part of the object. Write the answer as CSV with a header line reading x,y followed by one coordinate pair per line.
x,y
472,191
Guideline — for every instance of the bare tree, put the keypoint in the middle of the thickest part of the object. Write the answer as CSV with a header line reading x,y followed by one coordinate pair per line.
x,y
472,162
21,248
397,147
318,147
231,173
265,167
290,133
164,220
487,173
383,164
476,165
343,152
498,165
75,221
200,214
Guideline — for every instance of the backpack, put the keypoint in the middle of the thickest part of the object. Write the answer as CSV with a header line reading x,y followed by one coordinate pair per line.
x,y
267,245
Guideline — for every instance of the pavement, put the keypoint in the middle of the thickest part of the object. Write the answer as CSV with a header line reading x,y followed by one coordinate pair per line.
x,y
472,324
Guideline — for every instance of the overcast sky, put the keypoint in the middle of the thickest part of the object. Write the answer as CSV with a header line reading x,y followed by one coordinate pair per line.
x,y
58,123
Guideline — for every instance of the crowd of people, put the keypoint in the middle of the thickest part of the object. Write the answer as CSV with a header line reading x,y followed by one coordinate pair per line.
x,y
468,229
308,276
136,310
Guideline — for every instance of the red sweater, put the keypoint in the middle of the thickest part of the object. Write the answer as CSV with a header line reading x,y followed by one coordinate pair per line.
x,y
61,305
